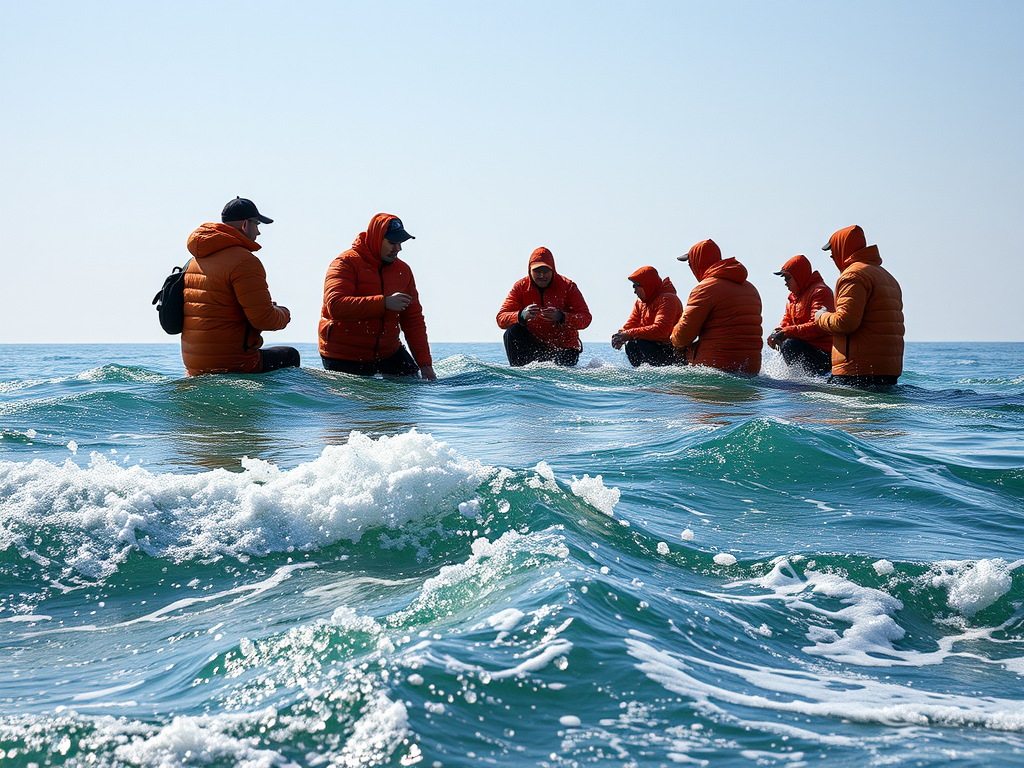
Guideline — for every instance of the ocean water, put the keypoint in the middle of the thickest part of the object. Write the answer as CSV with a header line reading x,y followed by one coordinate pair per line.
x,y
539,566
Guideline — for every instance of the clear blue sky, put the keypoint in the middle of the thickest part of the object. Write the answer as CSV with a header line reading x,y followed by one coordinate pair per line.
x,y
616,134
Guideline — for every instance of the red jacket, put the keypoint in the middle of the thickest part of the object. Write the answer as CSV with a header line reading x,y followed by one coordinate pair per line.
x,y
811,295
723,314
227,303
654,316
561,294
354,325
867,326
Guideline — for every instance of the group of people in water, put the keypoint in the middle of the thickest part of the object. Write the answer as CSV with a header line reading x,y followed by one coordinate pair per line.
x,y
854,336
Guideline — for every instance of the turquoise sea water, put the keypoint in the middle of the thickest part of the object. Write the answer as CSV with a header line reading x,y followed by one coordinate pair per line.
x,y
540,566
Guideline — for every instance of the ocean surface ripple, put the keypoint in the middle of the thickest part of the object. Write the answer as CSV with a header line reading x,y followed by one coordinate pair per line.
x,y
535,566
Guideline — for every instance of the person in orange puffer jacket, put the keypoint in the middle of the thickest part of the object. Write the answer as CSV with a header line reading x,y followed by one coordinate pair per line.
x,y
721,324
369,296
798,337
867,325
647,333
543,314
227,301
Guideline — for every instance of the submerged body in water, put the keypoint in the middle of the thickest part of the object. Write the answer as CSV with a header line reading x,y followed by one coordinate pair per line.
x,y
535,566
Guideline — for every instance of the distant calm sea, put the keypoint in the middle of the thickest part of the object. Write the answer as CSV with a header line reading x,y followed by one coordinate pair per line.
x,y
598,566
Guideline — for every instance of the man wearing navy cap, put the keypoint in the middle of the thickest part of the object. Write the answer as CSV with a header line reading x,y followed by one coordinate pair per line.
x,y
227,301
369,297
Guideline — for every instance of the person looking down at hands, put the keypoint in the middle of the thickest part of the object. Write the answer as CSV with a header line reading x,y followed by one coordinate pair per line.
x,y
369,297
798,337
543,314
647,333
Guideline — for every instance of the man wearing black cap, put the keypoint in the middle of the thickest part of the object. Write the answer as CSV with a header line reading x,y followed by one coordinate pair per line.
x,y
227,301
369,296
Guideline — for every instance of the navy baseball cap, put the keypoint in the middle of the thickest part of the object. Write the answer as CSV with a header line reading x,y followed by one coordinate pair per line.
x,y
241,209
396,232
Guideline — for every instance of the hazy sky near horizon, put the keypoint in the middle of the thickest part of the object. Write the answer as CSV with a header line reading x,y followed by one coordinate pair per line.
x,y
616,134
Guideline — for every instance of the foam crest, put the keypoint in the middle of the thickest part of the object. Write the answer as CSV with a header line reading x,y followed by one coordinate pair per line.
x,y
972,587
90,519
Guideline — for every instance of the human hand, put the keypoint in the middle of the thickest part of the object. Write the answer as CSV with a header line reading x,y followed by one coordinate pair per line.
x,y
618,339
776,338
552,315
397,302
530,312
821,311
427,373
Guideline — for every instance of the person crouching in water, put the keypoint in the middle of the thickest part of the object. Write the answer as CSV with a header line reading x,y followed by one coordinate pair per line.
x,y
543,314
798,337
867,325
647,333
721,324
369,296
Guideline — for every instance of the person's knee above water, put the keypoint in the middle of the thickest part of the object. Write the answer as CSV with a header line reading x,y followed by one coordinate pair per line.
x,y
867,324
721,323
798,337
369,297
543,314
647,333
227,301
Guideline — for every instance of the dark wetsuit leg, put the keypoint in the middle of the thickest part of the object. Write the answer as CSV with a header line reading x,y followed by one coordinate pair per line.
x,y
567,357
864,382
399,364
279,357
640,351
799,352
521,347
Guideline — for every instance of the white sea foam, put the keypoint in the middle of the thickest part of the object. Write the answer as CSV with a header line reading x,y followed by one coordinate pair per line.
x,y
724,558
103,511
200,741
593,491
973,586
818,694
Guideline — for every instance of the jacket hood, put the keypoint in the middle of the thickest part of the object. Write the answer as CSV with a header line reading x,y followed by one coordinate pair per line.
x,y
701,256
799,268
727,269
210,238
368,243
845,243
541,256
649,279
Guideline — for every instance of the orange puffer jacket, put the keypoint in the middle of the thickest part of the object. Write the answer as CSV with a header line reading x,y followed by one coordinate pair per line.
x,y
354,324
722,314
654,316
227,303
562,294
867,326
811,295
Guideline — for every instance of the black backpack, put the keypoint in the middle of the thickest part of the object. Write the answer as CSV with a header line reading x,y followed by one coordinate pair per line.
x,y
170,301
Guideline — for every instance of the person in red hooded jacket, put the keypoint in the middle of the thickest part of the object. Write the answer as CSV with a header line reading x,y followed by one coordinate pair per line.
x,y
543,314
227,301
369,296
721,324
798,337
647,333
867,325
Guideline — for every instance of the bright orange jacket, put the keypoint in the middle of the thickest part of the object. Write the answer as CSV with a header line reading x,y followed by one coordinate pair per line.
x,y
867,327
561,294
227,303
654,316
354,324
811,295
722,314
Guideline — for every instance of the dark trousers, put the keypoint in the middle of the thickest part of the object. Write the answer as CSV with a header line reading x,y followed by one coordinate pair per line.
x,y
640,351
279,357
799,352
864,382
523,347
399,364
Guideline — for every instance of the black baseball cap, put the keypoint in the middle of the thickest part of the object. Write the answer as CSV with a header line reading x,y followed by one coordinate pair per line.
x,y
241,209
396,232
